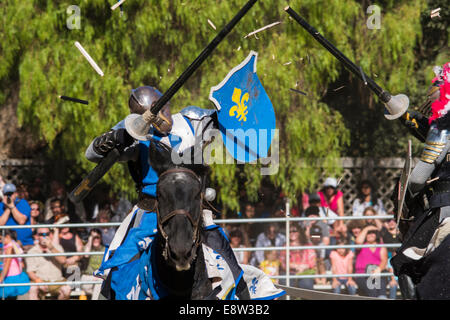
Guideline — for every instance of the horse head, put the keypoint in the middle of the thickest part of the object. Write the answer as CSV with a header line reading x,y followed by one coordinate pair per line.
x,y
180,195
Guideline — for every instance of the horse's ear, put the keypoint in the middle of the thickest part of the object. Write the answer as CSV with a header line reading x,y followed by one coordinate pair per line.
x,y
160,156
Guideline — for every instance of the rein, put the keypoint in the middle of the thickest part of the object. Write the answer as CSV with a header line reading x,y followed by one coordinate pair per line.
x,y
183,212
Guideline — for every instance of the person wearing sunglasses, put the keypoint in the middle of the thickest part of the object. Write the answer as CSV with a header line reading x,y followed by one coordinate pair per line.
x,y
46,269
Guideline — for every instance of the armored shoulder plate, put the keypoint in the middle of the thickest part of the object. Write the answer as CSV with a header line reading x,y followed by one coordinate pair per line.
x,y
435,144
196,113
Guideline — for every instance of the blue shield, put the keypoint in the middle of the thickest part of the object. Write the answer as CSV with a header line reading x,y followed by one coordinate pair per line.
x,y
245,112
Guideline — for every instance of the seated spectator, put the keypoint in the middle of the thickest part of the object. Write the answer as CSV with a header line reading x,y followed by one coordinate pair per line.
x,y
76,211
36,212
271,264
94,243
340,232
57,210
331,197
104,216
269,238
321,254
22,192
342,263
15,211
35,217
301,206
324,212
70,242
367,197
313,212
250,231
236,241
370,212
12,268
354,228
371,260
279,212
46,269
301,262
389,235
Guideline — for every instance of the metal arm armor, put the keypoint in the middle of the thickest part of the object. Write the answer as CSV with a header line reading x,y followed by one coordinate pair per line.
x,y
434,144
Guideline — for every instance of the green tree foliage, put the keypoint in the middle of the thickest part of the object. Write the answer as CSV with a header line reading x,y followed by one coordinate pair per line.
x,y
400,58
156,40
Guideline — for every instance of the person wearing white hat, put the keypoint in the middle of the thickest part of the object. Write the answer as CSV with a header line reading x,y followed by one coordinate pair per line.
x,y
331,197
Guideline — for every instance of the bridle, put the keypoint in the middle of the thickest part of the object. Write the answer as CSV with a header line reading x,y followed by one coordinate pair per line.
x,y
183,212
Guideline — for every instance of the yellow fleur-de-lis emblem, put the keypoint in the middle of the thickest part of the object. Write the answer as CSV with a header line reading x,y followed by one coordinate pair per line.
x,y
240,109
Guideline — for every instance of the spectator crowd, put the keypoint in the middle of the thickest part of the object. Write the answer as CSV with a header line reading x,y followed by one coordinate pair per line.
x,y
22,205
303,264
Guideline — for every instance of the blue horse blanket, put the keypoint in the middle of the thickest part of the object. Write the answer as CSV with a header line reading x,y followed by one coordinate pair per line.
x,y
129,273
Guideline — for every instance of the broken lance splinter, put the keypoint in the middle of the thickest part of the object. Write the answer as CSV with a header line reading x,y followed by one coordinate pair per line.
x,y
74,99
199,60
383,95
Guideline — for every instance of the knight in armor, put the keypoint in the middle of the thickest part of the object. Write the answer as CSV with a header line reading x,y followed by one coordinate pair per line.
x,y
422,263
180,132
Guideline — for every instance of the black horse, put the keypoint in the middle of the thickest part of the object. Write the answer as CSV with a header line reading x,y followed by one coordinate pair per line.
x,y
180,264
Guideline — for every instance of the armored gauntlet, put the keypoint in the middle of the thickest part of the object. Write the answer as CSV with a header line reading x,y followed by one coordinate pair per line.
x,y
110,140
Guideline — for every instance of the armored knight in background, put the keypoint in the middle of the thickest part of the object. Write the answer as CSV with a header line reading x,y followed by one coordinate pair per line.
x,y
424,257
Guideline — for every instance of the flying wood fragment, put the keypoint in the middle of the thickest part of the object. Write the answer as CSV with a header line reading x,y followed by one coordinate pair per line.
x,y
363,75
263,28
211,24
89,59
287,63
435,12
114,7
298,91
74,99
339,181
338,88
432,180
